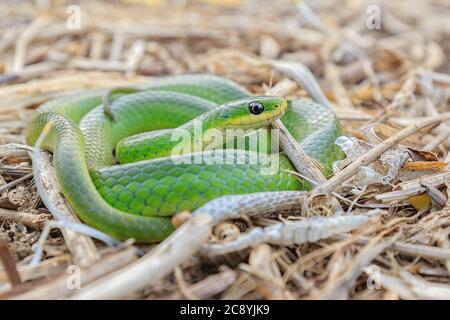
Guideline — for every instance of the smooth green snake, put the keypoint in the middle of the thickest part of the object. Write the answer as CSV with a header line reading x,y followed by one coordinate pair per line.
x,y
135,199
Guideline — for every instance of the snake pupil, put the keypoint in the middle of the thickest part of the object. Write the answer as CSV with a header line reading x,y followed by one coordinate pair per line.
x,y
256,107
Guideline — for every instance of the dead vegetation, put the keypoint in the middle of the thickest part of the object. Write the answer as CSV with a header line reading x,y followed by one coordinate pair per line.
x,y
389,86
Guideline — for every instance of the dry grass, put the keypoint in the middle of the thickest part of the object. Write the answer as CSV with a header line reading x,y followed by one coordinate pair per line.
x,y
390,87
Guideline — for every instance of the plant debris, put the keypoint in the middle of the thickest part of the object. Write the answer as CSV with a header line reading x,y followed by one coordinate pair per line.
x,y
388,83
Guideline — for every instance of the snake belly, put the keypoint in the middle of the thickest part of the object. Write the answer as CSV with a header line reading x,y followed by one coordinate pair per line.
x,y
136,200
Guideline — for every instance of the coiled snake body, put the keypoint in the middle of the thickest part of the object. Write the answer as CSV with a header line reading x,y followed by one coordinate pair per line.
x,y
136,199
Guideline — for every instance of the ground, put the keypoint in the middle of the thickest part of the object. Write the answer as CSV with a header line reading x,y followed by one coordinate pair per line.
x,y
382,67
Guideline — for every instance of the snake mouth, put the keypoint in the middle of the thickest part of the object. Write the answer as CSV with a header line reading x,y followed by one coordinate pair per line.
x,y
252,125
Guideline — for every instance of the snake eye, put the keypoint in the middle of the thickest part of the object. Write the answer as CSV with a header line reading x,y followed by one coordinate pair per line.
x,y
256,107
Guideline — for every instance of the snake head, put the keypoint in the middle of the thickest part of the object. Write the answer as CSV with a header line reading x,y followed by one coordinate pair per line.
x,y
251,112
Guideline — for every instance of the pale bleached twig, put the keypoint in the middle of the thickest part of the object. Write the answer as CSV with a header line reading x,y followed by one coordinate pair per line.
x,y
97,45
408,248
440,77
339,289
310,16
425,289
373,78
429,92
281,88
34,221
14,183
154,31
337,195
340,94
352,115
435,194
45,268
30,71
395,284
24,39
301,161
440,138
184,288
405,94
445,244
303,76
14,150
58,288
266,274
209,286
98,64
78,227
412,188
116,46
9,36
269,48
293,150
135,55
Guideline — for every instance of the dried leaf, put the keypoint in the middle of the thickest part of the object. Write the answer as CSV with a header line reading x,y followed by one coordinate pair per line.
x,y
426,166
420,202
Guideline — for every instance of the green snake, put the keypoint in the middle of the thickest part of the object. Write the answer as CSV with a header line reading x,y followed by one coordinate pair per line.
x,y
136,198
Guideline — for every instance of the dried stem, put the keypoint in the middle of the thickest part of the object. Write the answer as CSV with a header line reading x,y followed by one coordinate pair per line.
x,y
376,151
57,288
